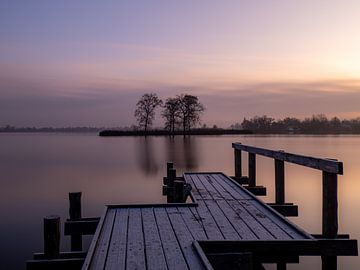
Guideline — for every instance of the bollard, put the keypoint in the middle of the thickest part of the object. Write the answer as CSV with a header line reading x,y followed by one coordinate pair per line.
x,y
52,236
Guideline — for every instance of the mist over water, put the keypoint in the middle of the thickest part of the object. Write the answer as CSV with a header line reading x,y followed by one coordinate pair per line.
x,y
38,170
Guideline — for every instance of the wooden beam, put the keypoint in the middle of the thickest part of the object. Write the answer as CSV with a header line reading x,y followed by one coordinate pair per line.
x,y
55,264
287,209
81,227
62,255
327,165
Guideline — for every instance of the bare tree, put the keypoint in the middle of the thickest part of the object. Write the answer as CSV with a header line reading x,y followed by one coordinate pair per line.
x,y
190,110
145,109
171,113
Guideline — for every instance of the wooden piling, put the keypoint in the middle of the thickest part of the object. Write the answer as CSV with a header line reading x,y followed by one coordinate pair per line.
x,y
52,236
279,181
170,184
178,192
75,214
330,205
238,168
169,165
252,170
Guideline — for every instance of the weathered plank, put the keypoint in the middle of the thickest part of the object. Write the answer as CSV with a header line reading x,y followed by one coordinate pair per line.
x,y
193,222
172,250
135,255
155,258
102,246
185,239
116,257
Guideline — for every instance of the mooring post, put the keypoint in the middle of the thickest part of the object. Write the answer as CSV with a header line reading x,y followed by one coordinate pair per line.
x,y
178,191
279,181
330,205
170,182
237,159
252,169
169,165
75,214
51,237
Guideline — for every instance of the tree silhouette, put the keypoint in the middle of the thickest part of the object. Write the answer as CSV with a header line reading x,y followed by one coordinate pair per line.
x,y
190,110
171,113
145,110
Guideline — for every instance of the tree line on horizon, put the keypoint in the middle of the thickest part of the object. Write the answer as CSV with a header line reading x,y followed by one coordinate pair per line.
x,y
316,124
181,112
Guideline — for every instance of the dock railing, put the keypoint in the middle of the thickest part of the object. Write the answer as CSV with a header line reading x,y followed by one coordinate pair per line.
x,y
330,168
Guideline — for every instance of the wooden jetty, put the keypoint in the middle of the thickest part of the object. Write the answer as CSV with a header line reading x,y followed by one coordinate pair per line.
x,y
220,225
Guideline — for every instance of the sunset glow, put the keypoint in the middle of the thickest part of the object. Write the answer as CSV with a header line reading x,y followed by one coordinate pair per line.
x,y
252,55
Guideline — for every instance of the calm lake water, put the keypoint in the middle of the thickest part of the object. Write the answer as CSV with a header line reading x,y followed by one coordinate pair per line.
x,y
38,170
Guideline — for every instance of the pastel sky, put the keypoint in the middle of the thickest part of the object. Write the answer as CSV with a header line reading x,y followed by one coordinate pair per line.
x,y
71,63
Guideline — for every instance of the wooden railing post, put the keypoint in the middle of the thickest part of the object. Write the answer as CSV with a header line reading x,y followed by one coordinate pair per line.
x,y
178,191
330,205
52,237
237,159
252,170
279,182
75,214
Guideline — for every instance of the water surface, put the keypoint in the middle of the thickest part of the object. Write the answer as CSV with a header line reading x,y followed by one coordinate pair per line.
x,y
38,170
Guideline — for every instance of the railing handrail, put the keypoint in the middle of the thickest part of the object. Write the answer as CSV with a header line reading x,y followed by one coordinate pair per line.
x,y
326,165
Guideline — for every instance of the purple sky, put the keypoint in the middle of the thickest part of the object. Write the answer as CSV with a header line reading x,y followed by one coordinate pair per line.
x,y
86,63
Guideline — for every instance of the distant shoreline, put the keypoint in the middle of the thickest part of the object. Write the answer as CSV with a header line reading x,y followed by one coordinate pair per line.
x,y
110,133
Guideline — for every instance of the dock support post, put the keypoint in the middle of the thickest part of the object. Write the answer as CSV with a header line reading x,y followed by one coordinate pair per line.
x,y
330,205
252,170
279,182
169,165
330,215
75,214
52,237
237,159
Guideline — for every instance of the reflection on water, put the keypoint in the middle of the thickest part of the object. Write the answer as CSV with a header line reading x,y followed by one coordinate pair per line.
x,y
38,170
182,150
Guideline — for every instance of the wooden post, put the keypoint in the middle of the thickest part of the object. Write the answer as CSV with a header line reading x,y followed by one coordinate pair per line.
x,y
170,182
75,214
252,170
169,165
237,159
52,236
330,205
279,182
329,262
178,191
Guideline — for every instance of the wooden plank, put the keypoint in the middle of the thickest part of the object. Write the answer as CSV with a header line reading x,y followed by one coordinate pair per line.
x,y
236,193
311,162
262,218
155,258
102,246
135,256
173,255
193,222
204,194
116,258
236,221
185,239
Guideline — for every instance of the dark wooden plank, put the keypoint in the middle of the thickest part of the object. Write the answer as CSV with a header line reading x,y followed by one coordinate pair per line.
x,y
116,258
155,258
193,222
135,256
204,182
204,194
185,239
327,165
173,254
101,251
